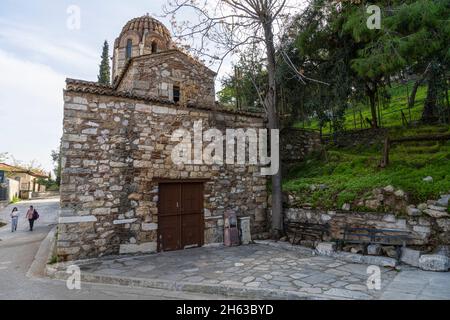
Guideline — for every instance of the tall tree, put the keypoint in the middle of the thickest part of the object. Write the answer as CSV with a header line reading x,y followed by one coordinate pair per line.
x,y
104,76
232,25
414,34
56,157
3,156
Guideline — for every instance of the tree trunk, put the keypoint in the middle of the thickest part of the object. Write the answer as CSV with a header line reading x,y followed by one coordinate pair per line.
x,y
273,123
371,92
429,109
417,84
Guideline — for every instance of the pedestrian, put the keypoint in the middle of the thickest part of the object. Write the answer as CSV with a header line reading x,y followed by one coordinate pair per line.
x,y
14,219
31,216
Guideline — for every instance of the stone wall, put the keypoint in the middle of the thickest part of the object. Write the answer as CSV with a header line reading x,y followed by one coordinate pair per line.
x,y
423,230
353,138
295,144
157,74
114,152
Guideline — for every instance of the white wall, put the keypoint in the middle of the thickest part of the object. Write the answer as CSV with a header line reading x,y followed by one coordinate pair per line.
x,y
13,188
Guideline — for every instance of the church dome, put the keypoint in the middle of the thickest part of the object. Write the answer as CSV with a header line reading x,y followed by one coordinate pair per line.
x,y
140,36
146,24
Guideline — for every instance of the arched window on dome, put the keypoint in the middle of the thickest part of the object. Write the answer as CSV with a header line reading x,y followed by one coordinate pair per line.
x,y
129,49
154,47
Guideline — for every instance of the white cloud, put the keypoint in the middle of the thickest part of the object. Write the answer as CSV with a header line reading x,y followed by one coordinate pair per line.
x,y
47,48
31,109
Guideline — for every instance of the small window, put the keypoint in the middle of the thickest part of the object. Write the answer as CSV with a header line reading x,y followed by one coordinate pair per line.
x,y
176,93
129,48
154,47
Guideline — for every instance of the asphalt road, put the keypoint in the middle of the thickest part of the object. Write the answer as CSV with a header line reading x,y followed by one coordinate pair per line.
x,y
18,250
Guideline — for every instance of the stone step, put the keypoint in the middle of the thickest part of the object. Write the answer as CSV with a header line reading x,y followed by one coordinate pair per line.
x,y
216,289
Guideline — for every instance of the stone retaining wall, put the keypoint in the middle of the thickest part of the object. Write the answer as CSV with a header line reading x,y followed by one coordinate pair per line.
x,y
423,230
295,145
353,138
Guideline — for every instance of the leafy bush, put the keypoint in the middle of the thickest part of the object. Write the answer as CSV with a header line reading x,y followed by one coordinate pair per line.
x,y
15,199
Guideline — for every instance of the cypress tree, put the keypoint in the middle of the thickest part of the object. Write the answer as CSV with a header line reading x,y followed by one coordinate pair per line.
x,y
104,76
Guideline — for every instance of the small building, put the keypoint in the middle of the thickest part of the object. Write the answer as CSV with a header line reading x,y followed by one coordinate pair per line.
x,y
121,191
20,182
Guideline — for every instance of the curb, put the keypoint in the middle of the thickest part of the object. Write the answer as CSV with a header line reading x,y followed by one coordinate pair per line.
x,y
228,291
38,267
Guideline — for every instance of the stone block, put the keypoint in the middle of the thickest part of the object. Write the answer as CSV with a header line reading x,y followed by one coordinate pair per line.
x,y
244,226
124,221
443,201
149,226
74,106
77,219
410,256
390,251
422,206
421,229
374,249
75,138
436,214
413,211
326,248
437,208
434,262
149,247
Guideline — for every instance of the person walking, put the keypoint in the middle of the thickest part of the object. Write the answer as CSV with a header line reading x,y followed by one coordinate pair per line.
x,y
14,219
31,216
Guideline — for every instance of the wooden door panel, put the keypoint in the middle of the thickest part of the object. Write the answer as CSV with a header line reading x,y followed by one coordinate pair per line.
x,y
192,198
191,230
169,199
169,230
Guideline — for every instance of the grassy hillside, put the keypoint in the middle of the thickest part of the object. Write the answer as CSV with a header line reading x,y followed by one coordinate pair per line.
x,y
344,175
390,116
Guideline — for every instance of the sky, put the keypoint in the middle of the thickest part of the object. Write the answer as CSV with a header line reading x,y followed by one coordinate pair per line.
x,y
39,49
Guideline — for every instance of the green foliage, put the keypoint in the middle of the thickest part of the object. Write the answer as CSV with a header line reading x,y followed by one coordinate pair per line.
x,y
351,173
104,76
53,260
240,90
56,157
3,156
15,199
390,114
50,184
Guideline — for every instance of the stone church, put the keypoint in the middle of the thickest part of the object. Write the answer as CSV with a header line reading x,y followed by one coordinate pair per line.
x,y
121,192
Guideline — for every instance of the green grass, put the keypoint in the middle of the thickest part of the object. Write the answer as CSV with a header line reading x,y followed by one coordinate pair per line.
x,y
353,173
15,200
53,260
390,116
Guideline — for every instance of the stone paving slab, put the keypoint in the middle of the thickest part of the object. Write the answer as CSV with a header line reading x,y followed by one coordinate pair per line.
x,y
413,284
253,271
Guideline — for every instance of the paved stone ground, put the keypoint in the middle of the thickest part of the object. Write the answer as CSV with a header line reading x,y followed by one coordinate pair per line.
x,y
415,284
253,266
18,250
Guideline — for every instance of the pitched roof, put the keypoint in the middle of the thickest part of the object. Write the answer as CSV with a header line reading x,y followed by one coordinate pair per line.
x,y
89,87
8,168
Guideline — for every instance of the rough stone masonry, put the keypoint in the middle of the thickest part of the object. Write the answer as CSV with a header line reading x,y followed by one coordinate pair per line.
x,y
116,150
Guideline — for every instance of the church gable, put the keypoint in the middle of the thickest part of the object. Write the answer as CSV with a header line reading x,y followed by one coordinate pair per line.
x,y
170,75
